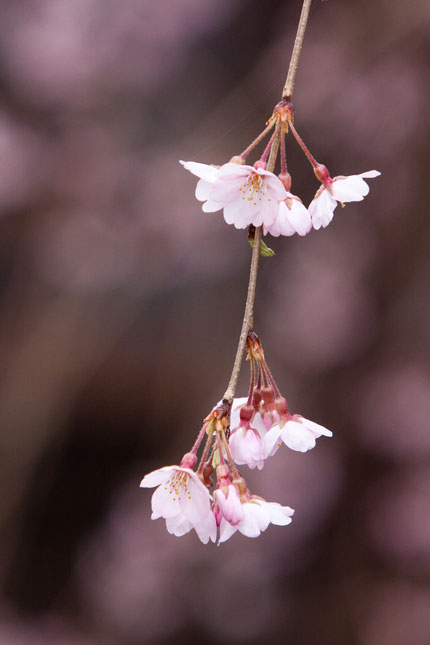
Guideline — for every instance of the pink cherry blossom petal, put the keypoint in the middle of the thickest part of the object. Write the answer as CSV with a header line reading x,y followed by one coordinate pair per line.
x,y
272,441
321,209
298,216
297,437
202,170
280,515
157,477
316,428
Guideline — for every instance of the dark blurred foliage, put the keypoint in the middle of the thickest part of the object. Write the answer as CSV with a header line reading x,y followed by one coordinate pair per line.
x,y
121,306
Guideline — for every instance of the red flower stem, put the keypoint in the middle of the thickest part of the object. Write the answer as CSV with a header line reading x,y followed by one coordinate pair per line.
x,y
205,453
251,386
269,146
270,377
257,140
199,439
301,143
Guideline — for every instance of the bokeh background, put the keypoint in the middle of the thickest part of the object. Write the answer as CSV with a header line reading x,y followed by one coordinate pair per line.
x,y
121,304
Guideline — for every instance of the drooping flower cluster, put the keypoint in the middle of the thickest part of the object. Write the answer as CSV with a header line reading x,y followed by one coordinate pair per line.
x,y
248,431
251,195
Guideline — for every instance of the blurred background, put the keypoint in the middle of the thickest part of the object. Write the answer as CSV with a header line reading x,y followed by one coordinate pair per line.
x,y
121,305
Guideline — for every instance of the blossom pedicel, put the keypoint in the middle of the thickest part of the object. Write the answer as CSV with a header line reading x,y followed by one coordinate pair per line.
x,y
210,495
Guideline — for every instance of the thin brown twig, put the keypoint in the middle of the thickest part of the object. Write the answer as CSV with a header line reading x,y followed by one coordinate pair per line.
x,y
248,316
294,62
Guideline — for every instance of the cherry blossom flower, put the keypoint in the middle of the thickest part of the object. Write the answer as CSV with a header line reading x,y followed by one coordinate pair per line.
x,y
292,217
257,515
227,505
182,500
248,195
245,440
339,189
246,447
297,433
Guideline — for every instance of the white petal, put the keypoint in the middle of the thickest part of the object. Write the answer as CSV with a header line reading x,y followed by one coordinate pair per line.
x,y
274,186
297,437
258,424
321,209
211,207
280,225
203,189
235,171
238,213
178,525
226,190
349,189
271,441
195,501
164,504
206,529
157,477
370,174
279,515
316,428
298,216
202,170
249,526
226,530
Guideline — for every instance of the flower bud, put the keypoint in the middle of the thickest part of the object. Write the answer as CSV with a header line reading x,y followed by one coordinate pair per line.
x,y
260,164
188,460
256,399
322,173
281,406
222,472
285,179
237,159
268,396
246,413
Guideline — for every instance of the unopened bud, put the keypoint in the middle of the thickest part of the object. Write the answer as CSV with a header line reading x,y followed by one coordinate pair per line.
x,y
206,475
256,399
188,460
260,164
222,472
285,179
281,406
322,173
246,413
237,159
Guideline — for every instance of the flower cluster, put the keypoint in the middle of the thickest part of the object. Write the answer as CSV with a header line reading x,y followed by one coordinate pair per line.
x,y
251,195
248,431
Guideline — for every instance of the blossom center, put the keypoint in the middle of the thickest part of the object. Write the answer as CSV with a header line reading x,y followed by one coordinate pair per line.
x,y
254,189
177,486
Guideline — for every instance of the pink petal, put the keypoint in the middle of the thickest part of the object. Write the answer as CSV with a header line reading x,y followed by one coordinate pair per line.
x,y
299,217
321,209
279,515
226,530
271,441
316,428
202,170
297,437
157,477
